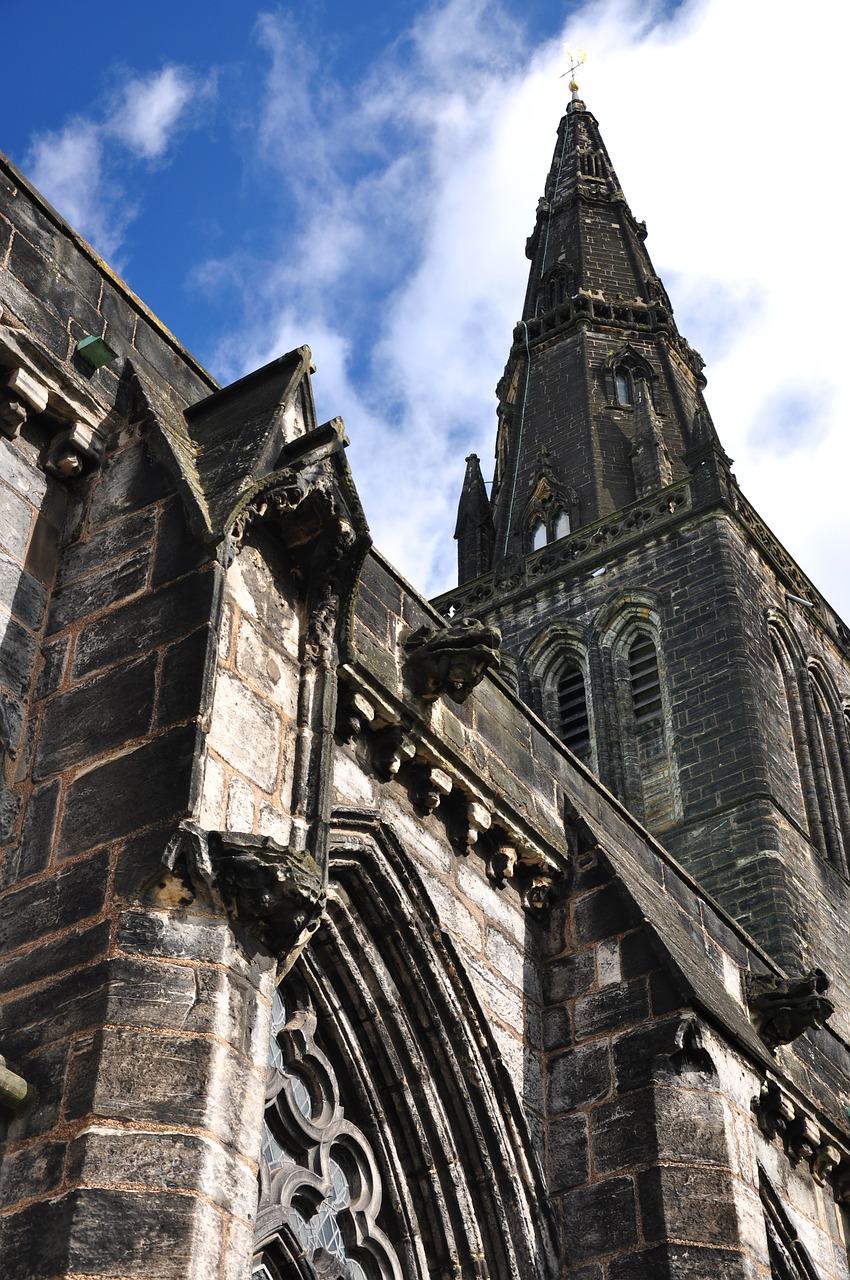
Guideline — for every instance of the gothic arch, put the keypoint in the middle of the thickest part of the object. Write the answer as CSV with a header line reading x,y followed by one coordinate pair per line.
x,y
624,368
461,1190
552,509
560,666
630,638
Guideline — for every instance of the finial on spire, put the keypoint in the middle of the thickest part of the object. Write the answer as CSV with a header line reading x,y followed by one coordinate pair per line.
x,y
575,57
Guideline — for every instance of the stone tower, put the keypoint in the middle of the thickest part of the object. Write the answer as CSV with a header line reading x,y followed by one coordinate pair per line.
x,y
658,625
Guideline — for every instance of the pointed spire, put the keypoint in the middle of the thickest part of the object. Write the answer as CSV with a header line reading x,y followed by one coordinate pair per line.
x,y
598,372
474,528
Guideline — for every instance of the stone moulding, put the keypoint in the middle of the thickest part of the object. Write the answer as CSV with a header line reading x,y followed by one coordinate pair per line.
x,y
34,388
802,1137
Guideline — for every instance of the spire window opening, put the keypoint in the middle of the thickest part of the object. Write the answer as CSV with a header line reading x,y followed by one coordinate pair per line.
x,y
562,524
624,387
645,680
572,712
538,536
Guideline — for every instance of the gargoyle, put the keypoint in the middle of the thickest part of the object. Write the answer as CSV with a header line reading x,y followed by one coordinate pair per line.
x,y
783,1008
451,661
277,893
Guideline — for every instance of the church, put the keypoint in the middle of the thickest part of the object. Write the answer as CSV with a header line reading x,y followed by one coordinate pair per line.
x,y
346,935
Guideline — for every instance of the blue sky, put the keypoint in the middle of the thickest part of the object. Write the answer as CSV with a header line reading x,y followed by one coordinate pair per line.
x,y
363,179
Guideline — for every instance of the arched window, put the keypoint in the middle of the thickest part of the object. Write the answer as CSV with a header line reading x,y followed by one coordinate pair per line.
x,y
828,763
320,1189
645,680
562,524
572,711
538,536
624,386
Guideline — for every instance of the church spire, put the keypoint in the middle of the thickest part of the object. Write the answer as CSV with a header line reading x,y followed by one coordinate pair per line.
x,y
598,374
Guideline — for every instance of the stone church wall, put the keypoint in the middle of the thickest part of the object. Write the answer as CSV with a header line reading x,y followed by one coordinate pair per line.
x,y
507,964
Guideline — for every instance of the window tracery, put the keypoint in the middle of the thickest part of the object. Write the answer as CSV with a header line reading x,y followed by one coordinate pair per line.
x,y
320,1188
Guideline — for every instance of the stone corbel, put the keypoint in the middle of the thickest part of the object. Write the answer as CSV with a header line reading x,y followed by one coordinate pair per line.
x,y
391,748
501,863
538,891
478,819
274,893
21,394
356,713
802,1139
31,386
72,449
432,785
774,1110
826,1159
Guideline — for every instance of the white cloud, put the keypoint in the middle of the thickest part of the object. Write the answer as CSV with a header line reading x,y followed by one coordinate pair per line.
x,y
151,110
78,169
419,187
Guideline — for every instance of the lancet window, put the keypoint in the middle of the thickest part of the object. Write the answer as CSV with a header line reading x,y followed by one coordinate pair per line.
x,y
645,679
573,710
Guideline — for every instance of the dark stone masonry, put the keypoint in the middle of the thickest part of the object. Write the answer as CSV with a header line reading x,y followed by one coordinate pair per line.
x,y
345,936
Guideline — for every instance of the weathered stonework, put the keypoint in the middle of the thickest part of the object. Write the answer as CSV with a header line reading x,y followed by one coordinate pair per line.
x,y
320,953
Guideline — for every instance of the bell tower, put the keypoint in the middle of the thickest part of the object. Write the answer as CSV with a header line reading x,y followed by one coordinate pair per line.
x,y
656,623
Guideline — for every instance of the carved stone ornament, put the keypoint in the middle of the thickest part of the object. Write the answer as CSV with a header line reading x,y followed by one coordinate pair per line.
x,y
451,661
431,786
501,865
33,387
275,893
391,748
783,1008
538,892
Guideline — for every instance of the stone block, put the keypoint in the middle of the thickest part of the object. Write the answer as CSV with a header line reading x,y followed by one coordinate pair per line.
x,y
570,977
681,1262
613,1007
116,540
48,906
688,1204
600,914
17,654
134,1234
16,517
178,549
34,1172
568,1153
28,481
579,1076
22,594
603,1219
54,656
246,731
152,1077
623,1133
165,1160
186,671
96,717
99,590
67,951
275,674
144,623
136,789
129,481
453,913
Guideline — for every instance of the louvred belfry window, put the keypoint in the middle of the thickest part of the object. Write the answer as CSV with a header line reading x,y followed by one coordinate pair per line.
x,y
645,680
572,710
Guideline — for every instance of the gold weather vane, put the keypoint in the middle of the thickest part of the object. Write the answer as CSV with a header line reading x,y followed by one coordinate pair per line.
x,y
575,57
